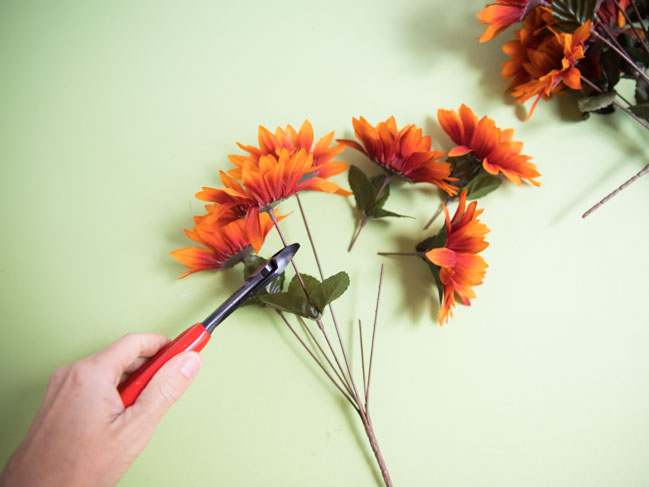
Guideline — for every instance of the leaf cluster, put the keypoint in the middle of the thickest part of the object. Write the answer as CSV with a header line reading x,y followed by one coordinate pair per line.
x,y
366,193
312,303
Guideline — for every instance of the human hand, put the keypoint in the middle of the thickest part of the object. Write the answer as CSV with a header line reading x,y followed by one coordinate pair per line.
x,y
82,435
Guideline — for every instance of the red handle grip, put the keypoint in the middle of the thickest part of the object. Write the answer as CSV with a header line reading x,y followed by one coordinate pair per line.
x,y
193,338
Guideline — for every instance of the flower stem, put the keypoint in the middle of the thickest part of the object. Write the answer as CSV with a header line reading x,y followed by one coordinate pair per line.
x,y
317,361
637,12
630,22
369,430
331,309
360,339
612,44
281,236
376,317
437,213
643,171
617,104
411,254
386,181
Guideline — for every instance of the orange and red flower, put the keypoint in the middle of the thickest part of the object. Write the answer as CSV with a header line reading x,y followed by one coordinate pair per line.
x,y
460,266
405,152
292,141
543,60
222,246
263,183
492,146
499,16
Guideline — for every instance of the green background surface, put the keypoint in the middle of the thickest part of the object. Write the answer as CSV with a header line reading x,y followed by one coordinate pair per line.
x,y
115,113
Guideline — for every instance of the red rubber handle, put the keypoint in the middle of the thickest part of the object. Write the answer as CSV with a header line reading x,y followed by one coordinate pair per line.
x,y
193,338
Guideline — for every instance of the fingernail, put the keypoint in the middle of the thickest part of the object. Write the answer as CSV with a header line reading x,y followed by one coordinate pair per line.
x,y
190,366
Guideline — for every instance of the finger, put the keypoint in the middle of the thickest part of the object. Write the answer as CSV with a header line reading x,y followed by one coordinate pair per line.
x,y
118,356
165,388
136,364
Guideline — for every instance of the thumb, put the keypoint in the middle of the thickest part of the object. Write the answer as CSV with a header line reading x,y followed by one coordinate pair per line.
x,y
166,387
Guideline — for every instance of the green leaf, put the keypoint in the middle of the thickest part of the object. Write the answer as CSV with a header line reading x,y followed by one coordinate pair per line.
x,y
481,185
295,287
463,168
641,91
611,61
596,102
329,290
435,270
641,110
571,14
291,304
381,213
431,243
434,242
362,187
377,182
251,263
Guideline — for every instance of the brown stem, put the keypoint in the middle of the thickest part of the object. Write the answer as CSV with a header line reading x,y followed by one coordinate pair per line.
x,y
325,355
617,104
635,31
611,43
386,181
358,232
643,171
308,232
281,236
410,254
360,339
437,213
637,12
376,317
306,347
369,430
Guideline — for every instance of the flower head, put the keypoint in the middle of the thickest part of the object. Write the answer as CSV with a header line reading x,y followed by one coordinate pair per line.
x,y
292,141
405,152
492,146
542,59
263,184
222,247
460,266
498,16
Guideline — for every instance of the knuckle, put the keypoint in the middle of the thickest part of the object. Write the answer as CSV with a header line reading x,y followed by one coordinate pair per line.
x,y
168,392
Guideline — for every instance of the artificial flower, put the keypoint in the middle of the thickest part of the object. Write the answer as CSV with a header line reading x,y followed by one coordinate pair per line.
x,y
262,184
492,146
542,59
498,16
404,152
222,247
609,14
292,141
460,266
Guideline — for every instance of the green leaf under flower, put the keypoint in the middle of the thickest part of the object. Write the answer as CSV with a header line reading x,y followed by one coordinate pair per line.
x,y
253,262
329,290
291,303
571,14
481,185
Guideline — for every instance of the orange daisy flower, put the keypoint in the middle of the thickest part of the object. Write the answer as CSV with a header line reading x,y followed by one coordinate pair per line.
x,y
292,141
460,266
222,247
404,152
493,147
542,59
499,16
262,185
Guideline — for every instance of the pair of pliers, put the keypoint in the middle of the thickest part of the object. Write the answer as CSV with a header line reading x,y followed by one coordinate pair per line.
x,y
196,336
